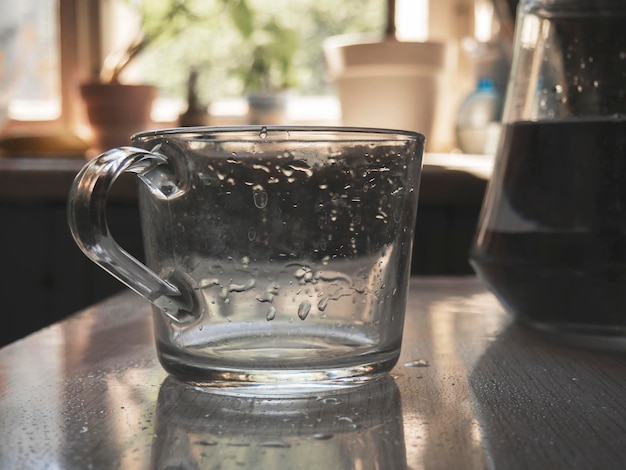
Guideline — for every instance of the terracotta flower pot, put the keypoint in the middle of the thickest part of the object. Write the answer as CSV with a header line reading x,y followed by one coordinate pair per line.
x,y
117,111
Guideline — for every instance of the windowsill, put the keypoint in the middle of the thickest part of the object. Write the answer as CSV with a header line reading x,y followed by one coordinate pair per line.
x,y
49,139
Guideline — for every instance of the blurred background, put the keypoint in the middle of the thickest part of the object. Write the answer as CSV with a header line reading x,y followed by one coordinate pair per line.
x,y
435,66
227,50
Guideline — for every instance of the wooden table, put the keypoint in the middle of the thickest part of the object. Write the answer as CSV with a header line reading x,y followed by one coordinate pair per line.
x,y
471,390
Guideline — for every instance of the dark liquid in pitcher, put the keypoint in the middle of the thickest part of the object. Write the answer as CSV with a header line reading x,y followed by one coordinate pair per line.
x,y
553,247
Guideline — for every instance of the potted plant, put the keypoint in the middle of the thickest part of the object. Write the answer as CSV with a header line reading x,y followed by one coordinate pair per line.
x,y
116,110
269,73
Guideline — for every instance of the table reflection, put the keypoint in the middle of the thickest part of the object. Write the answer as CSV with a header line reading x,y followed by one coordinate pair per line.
x,y
361,428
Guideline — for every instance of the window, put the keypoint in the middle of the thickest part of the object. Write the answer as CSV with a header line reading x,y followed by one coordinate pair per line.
x,y
47,48
67,39
35,58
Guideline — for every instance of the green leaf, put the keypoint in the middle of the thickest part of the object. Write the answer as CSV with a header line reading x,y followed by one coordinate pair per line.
x,y
242,16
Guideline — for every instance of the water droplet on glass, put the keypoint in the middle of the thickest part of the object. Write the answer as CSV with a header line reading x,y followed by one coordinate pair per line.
x,y
558,89
322,304
397,214
260,196
233,287
322,436
417,363
303,273
223,293
251,233
276,444
261,167
304,169
271,314
303,310
266,297
263,133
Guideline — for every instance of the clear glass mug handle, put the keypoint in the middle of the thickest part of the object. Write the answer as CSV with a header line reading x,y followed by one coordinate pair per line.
x,y
86,213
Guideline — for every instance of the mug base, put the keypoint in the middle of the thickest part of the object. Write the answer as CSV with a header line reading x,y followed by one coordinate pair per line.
x,y
287,382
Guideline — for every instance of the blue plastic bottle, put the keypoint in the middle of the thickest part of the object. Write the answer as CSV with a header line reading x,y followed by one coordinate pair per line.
x,y
478,120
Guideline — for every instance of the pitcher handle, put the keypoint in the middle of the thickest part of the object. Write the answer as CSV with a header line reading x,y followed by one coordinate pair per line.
x,y
86,213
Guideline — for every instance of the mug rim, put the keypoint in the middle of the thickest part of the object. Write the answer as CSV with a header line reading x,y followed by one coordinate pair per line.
x,y
315,132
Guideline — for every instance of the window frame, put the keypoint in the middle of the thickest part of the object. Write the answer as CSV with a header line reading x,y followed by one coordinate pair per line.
x,y
79,59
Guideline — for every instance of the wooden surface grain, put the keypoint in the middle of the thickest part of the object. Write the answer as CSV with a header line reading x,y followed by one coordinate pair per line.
x,y
471,390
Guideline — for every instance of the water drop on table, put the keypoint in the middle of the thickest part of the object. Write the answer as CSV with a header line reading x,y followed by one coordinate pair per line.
x,y
417,363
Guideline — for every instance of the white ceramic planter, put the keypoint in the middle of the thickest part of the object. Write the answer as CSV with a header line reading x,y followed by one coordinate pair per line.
x,y
388,83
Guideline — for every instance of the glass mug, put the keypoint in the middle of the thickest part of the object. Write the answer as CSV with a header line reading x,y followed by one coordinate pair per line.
x,y
276,257
551,240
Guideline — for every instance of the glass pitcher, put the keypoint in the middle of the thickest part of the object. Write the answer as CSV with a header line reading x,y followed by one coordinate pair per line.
x,y
551,239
